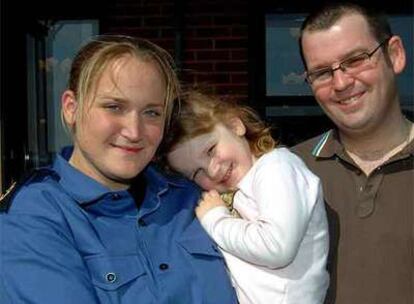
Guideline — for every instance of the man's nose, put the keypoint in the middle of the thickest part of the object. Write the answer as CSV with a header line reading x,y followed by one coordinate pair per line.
x,y
340,79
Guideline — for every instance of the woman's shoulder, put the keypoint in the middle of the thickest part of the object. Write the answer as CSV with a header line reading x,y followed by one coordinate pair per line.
x,y
157,174
31,192
175,187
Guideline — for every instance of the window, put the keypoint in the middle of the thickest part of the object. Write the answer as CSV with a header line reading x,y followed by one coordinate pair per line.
x,y
49,59
284,69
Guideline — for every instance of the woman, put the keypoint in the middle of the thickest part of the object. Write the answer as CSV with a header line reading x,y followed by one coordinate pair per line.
x,y
102,225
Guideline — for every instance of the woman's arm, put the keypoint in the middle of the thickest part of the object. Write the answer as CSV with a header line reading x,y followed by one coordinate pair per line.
x,y
39,262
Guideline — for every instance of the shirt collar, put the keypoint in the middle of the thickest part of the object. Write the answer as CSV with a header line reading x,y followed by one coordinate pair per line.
x,y
409,149
85,189
78,185
329,145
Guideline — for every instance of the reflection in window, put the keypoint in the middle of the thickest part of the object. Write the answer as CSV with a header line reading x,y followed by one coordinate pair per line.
x,y
50,52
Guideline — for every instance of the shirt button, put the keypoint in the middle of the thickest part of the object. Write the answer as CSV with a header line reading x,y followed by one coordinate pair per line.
x,y
163,266
110,277
116,196
141,222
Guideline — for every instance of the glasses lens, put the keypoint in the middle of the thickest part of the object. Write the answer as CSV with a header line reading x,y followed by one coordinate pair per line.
x,y
319,76
355,62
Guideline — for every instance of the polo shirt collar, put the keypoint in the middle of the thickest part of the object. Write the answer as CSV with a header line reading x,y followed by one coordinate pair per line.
x,y
328,145
409,149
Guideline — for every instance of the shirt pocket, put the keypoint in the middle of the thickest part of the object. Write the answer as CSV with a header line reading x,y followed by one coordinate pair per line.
x,y
197,242
112,273
208,266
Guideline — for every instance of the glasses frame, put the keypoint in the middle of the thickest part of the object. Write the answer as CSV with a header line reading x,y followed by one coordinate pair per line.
x,y
343,64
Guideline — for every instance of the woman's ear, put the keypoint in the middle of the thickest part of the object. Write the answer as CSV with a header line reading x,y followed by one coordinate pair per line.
x,y
237,126
396,53
69,107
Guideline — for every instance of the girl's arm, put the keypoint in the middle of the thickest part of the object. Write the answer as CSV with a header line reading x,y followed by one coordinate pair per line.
x,y
286,193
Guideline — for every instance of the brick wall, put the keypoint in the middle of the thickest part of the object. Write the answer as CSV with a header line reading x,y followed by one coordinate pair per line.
x,y
208,38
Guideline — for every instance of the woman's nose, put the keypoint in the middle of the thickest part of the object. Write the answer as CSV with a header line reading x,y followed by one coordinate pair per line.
x,y
131,127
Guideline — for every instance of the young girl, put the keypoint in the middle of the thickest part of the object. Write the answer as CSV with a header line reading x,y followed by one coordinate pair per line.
x,y
276,249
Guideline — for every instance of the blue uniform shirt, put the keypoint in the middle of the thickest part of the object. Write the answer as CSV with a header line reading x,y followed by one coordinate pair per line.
x,y
68,239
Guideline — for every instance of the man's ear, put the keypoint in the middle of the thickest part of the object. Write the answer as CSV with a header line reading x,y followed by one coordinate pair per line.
x,y
69,107
237,126
396,53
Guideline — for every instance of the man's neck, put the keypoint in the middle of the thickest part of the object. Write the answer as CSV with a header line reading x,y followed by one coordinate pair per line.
x,y
371,149
376,140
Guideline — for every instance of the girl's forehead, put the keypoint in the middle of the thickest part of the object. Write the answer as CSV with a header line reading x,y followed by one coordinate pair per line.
x,y
197,143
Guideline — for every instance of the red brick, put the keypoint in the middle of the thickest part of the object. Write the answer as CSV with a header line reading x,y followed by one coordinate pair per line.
x,y
239,54
193,21
125,21
189,33
158,2
239,31
129,9
231,89
194,44
213,32
215,38
231,43
167,32
239,78
213,77
187,77
167,9
189,55
196,67
158,21
135,31
231,20
233,66
217,7
213,55
167,44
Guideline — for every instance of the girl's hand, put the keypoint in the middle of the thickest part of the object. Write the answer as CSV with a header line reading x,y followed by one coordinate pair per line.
x,y
209,200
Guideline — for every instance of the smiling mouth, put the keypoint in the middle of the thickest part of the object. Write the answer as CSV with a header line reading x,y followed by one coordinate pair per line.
x,y
227,176
128,149
350,100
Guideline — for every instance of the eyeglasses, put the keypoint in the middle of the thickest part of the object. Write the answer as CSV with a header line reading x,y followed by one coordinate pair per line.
x,y
350,66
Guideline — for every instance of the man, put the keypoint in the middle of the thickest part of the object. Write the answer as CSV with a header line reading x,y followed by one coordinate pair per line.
x,y
366,162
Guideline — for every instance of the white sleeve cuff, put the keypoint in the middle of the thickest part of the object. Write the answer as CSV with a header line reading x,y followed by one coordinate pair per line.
x,y
212,217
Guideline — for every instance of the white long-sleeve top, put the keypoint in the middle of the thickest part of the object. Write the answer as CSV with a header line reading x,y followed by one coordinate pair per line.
x,y
276,253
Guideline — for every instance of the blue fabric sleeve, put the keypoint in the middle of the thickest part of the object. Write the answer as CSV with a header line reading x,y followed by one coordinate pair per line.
x,y
42,266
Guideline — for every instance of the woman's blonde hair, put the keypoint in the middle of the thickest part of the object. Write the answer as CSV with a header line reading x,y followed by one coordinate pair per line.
x,y
199,113
92,60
